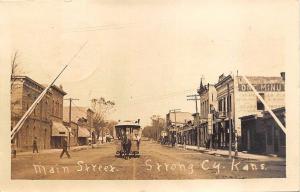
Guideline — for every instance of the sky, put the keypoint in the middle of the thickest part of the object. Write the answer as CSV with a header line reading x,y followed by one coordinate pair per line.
x,y
147,55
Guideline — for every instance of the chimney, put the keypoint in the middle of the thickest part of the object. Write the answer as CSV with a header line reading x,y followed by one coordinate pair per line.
x,y
282,74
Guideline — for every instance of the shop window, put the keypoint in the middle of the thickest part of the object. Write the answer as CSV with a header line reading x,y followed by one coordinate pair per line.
x,y
259,104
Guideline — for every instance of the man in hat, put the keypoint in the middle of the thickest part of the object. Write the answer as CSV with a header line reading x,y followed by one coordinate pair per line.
x,y
65,148
34,146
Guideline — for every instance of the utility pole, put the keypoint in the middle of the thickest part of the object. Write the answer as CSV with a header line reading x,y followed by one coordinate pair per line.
x,y
195,98
157,128
174,111
70,119
229,118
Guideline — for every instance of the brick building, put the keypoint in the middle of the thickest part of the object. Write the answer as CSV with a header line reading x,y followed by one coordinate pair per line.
x,y
46,115
236,99
59,130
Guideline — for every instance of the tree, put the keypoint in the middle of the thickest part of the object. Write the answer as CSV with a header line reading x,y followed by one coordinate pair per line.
x,y
101,107
155,129
15,69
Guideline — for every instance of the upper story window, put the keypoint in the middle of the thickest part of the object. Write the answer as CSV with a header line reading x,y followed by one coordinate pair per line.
x,y
220,105
259,104
229,103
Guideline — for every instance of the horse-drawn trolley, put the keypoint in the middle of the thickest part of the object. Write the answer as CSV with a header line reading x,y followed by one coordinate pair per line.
x,y
128,138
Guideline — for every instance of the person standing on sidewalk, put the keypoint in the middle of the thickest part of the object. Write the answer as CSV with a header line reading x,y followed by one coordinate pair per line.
x,y
34,146
65,148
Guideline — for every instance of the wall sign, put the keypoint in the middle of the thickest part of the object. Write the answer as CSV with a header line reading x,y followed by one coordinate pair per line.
x,y
268,87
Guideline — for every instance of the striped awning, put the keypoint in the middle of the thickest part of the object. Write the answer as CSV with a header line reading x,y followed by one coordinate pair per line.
x,y
58,129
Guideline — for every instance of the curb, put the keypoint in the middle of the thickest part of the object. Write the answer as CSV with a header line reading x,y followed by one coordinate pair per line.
x,y
223,155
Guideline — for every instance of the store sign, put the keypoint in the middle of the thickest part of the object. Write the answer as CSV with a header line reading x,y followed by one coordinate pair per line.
x,y
209,123
267,87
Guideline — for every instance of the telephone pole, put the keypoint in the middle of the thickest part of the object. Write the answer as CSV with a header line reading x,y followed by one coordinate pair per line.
x,y
195,98
174,111
70,113
229,119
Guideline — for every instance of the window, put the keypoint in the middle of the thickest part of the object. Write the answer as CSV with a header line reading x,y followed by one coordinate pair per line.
x,y
259,104
224,104
41,109
229,103
220,105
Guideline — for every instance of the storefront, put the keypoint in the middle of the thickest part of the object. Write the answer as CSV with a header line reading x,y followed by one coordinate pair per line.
x,y
59,132
261,134
83,135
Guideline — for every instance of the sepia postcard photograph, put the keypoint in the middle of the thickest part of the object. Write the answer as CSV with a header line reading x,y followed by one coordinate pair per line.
x,y
164,95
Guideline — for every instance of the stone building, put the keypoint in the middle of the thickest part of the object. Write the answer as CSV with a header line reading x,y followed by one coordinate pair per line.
x,y
40,123
236,99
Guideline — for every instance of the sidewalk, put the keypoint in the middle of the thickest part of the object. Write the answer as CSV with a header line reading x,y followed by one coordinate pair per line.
x,y
225,153
73,148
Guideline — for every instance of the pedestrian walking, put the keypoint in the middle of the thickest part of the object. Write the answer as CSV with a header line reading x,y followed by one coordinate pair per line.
x,y
65,148
34,146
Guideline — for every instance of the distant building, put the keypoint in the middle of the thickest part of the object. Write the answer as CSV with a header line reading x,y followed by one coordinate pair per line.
x,y
175,122
261,134
83,118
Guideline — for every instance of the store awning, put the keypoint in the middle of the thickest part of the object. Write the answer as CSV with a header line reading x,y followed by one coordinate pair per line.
x,y
83,132
58,129
188,128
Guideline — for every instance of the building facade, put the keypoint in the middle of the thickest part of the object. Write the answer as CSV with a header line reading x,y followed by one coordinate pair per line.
x,y
236,99
82,119
261,134
40,124
208,103
59,130
175,122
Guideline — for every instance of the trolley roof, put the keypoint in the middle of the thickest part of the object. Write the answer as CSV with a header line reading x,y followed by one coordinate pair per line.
x,y
128,124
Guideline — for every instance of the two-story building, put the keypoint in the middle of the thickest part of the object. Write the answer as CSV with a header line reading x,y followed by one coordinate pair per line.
x,y
236,99
45,123
208,102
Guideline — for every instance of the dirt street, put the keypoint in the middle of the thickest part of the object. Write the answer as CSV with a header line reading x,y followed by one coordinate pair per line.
x,y
156,162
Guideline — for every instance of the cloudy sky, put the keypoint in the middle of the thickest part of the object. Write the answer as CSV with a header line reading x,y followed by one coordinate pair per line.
x,y
147,55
